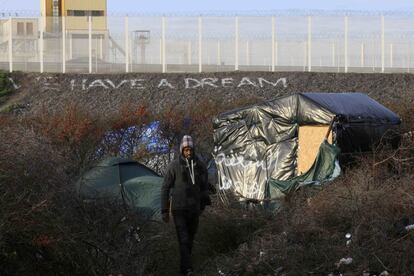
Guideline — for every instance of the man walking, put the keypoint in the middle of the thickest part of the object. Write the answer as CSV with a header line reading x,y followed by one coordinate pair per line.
x,y
185,191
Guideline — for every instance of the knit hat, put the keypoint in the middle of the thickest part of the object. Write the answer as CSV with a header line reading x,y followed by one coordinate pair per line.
x,y
187,141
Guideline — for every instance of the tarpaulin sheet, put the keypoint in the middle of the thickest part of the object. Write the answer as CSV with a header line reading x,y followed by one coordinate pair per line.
x,y
260,142
323,169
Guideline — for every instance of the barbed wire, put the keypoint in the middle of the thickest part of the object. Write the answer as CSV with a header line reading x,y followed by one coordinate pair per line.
x,y
260,13
285,37
250,13
19,13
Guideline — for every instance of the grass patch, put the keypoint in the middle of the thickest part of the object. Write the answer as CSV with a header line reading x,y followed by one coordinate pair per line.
x,y
11,107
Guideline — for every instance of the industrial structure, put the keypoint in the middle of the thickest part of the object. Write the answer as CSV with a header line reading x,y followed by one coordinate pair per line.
x,y
74,19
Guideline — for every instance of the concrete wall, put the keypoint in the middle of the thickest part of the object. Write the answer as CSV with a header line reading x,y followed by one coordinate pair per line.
x,y
75,22
81,23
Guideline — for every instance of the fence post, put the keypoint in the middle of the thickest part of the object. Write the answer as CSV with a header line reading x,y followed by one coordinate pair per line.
x,y
218,53
63,44
236,46
70,47
101,47
382,44
305,55
189,52
200,46
391,56
41,46
333,54
309,52
408,57
11,44
362,55
163,59
346,44
276,55
161,51
126,44
247,53
374,62
90,42
273,43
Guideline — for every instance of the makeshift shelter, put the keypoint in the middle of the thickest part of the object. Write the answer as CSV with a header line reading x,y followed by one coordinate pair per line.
x,y
260,148
125,180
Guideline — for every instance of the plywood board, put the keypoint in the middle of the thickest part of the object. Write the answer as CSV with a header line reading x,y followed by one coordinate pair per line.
x,y
310,138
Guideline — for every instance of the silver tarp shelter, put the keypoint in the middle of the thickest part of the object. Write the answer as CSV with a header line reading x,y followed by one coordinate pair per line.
x,y
281,138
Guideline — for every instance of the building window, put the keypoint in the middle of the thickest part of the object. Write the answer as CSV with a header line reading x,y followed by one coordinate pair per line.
x,y
76,13
97,13
20,28
29,28
84,13
79,13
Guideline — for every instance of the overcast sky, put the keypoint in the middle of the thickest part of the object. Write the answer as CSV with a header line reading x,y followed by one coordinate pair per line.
x,y
176,6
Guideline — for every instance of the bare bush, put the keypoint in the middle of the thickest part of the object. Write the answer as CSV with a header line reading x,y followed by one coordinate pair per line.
x,y
308,235
126,130
76,132
44,227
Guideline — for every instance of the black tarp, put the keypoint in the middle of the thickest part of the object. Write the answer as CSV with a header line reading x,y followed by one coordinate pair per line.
x,y
259,142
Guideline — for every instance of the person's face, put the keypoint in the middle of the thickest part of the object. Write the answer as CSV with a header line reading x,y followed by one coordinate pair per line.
x,y
187,152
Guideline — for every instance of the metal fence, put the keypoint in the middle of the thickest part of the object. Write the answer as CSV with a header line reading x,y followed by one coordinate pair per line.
x,y
115,44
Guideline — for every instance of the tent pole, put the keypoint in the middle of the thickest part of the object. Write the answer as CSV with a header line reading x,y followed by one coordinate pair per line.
x,y
330,127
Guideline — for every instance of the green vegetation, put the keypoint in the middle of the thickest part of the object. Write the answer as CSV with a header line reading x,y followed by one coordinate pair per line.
x,y
11,107
5,87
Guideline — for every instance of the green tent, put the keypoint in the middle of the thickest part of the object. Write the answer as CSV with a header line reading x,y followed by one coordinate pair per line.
x,y
126,180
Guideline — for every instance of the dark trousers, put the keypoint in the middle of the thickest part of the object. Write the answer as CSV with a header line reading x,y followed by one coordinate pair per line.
x,y
186,224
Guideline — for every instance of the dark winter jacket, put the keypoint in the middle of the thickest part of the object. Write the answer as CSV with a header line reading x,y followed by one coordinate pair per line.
x,y
179,189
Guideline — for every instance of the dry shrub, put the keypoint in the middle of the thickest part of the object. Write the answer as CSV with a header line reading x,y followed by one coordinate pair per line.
x,y
308,234
32,180
44,228
4,119
23,158
405,110
221,231
126,130
75,131
84,138
370,209
5,87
